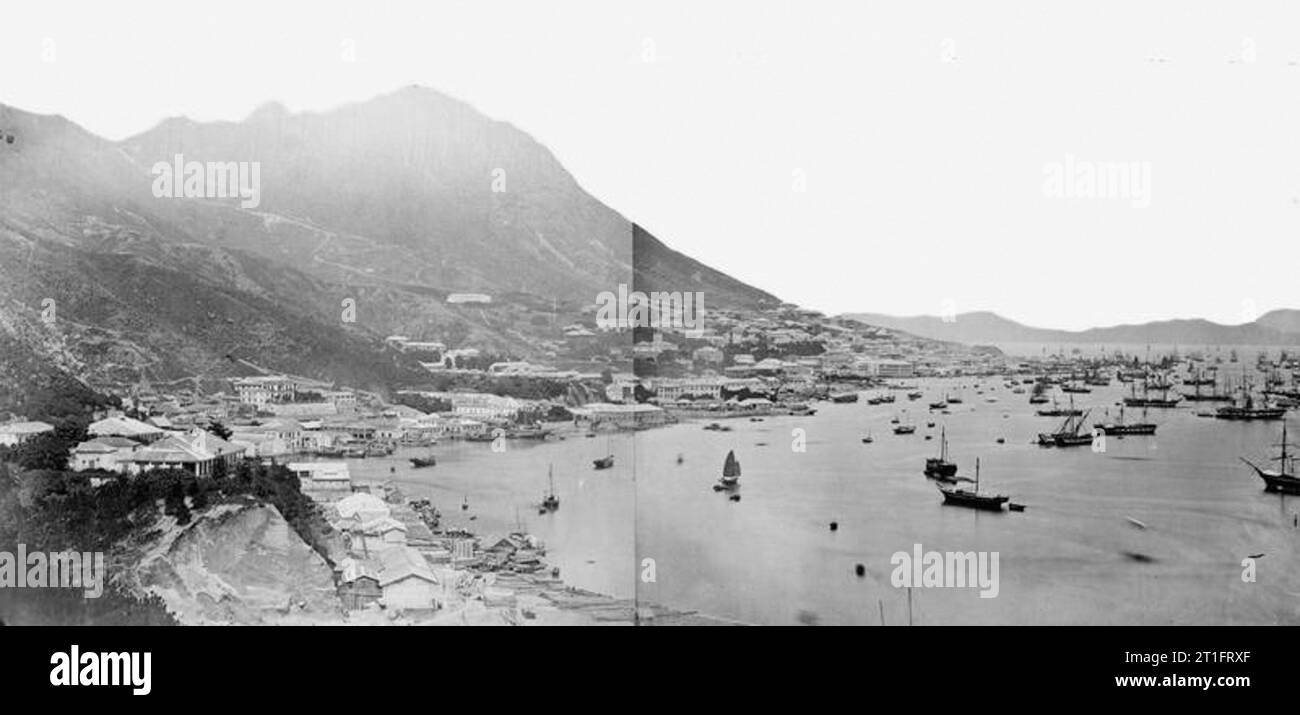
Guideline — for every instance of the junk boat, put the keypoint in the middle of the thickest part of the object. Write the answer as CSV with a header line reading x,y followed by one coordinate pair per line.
x,y
972,498
939,467
730,474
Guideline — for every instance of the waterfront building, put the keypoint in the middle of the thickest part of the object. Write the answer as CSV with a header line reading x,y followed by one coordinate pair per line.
x,y
892,368
407,580
323,481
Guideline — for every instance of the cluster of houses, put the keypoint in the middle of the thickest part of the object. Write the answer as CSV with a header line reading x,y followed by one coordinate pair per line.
x,y
392,559
385,563
122,444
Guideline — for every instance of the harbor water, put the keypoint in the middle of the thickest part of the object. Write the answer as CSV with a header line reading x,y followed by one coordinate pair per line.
x,y
1148,530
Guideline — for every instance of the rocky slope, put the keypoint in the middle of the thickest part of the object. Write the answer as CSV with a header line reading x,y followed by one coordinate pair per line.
x,y
239,564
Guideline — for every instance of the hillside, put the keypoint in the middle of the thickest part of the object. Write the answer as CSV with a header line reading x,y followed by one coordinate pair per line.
x,y
387,206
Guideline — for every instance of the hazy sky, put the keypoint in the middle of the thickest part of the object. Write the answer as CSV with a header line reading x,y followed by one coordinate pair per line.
x,y
886,156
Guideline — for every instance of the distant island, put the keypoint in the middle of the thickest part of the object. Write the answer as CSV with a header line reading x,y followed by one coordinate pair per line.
x,y
1278,327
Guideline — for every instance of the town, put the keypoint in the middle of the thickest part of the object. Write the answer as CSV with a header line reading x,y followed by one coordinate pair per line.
x,y
393,552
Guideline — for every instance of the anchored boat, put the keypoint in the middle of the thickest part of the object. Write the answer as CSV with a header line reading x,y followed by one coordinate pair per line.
x,y
1120,427
939,467
1247,409
1069,434
419,462
550,502
1283,479
973,498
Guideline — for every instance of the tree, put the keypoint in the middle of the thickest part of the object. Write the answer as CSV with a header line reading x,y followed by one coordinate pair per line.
x,y
220,430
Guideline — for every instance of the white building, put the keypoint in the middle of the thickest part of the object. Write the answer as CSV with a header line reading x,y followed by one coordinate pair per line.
x,y
323,481
15,433
196,452
261,390
892,368
407,580
101,453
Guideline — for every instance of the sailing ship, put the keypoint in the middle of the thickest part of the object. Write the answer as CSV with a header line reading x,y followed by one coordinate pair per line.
x,y
1120,427
1283,479
1146,400
940,467
550,502
972,498
730,473
1198,396
1069,434
1198,378
1038,397
1247,409
1096,379
1058,411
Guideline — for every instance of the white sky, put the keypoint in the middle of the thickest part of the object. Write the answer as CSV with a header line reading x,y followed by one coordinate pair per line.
x,y
924,177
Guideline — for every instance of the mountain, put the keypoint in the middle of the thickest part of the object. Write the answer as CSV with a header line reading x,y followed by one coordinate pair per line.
x,y
1281,327
1287,321
368,217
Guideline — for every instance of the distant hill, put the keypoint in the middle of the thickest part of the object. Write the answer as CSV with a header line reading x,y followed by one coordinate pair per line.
x,y
1285,320
1281,327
